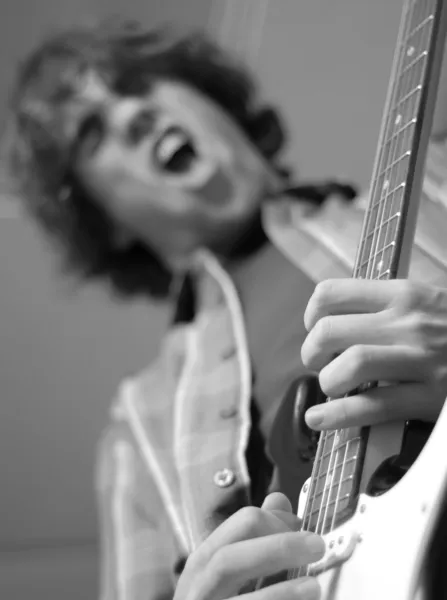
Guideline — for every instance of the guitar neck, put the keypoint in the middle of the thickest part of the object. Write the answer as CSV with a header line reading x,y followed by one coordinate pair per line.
x,y
396,184
388,230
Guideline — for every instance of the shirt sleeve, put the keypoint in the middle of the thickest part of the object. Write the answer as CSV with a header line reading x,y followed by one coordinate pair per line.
x,y
137,548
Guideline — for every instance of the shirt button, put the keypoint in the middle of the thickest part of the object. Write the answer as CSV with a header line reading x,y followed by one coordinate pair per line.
x,y
228,413
224,478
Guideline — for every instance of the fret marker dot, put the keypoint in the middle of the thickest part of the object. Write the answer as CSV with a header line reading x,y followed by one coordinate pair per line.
x,y
379,265
410,51
398,119
386,185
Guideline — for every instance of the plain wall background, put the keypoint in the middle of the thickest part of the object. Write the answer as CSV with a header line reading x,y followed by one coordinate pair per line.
x,y
326,63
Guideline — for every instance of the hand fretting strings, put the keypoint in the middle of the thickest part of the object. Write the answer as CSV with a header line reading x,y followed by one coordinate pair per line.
x,y
337,467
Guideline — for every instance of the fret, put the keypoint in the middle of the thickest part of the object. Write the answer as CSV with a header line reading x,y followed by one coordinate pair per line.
x,y
386,257
408,95
343,436
399,188
382,258
396,170
338,486
326,440
389,248
382,230
325,525
328,467
395,158
396,149
334,505
385,275
406,111
380,227
325,499
329,503
395,162
330,472
344,447
409,82
401,130
418,40
388,198
413,63
421,25
332,441
338,467
422,11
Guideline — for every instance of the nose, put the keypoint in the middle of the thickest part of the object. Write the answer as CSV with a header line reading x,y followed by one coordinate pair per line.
x,y
120,114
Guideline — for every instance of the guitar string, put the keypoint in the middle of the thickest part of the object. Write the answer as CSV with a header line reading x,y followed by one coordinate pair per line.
x,y
334,481
331,482
377,205
392,218
314,480
409,122
340,484
330,473
327,489
425,33
385,157
313,492
304,570
375,180
404,140
395,144
388,157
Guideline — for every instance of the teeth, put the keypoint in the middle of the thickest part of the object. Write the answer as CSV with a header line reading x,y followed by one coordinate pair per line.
x,y
170,144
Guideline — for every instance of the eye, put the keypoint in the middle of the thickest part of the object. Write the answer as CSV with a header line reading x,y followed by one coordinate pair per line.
x,y
90,135
141,125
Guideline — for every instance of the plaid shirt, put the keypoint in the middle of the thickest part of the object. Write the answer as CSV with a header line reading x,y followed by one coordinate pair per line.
x,y
175,447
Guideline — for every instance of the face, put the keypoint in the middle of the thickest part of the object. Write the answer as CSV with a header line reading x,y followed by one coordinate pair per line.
x,y
171,168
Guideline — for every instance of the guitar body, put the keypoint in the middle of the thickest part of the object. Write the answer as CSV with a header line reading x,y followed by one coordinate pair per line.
x,y
382,551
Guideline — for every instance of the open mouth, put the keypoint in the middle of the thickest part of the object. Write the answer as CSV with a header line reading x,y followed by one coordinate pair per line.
x,y
174,152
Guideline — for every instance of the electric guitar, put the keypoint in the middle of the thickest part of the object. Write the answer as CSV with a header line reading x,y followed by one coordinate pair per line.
x,y
384,522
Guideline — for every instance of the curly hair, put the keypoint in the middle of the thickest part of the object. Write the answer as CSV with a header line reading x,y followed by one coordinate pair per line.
x,y
128,57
